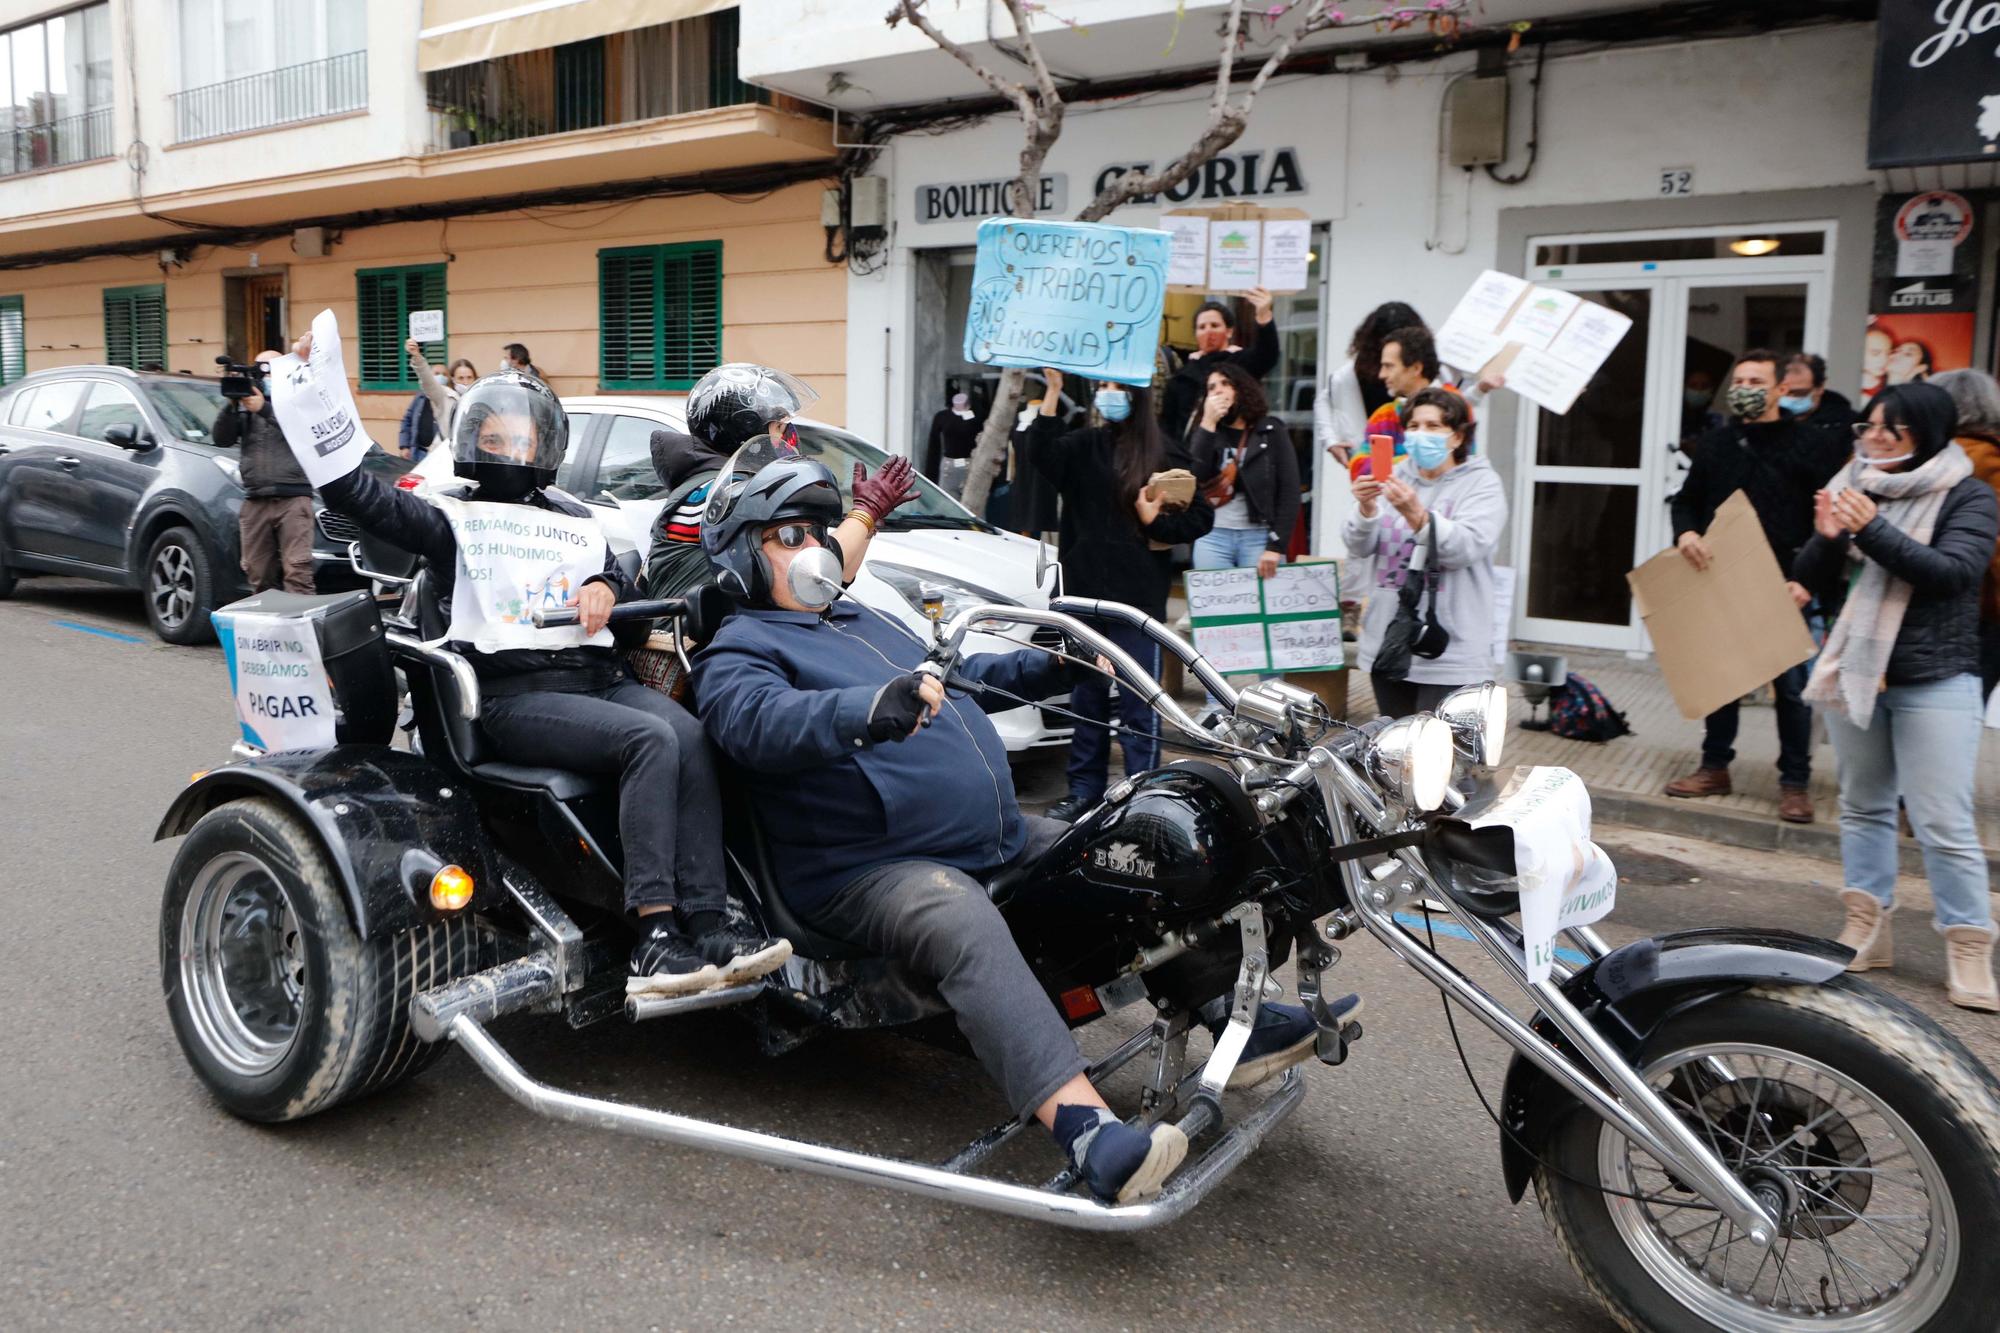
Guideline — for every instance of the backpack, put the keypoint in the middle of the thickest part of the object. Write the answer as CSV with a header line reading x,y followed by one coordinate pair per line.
x,y
1580,712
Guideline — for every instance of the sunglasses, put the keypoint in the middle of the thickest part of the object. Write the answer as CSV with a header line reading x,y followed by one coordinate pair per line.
x,y
793,536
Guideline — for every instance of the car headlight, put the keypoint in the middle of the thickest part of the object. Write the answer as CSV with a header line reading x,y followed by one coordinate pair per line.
x,y
228,466
1477,716
951,595
1411,760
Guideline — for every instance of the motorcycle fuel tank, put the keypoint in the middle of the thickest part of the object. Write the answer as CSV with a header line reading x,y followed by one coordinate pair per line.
x,y
1178,844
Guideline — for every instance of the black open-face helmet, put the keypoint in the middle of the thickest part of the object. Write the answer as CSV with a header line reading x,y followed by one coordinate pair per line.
x,y
763,483
734,403
510,435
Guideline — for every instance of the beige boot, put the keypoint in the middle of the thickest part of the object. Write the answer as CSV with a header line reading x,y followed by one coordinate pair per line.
x,y
1866,931
1968,952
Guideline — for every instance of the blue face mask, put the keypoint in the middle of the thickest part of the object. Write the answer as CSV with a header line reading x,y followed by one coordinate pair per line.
x,y
1428,449
1797,406
1113,404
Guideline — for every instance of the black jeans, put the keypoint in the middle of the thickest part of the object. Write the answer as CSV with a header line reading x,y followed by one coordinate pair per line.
x,y
1090,746
669,807
939,921
1718,742
1400,698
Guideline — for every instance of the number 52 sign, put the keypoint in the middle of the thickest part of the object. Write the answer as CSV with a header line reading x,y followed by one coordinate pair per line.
x,y
1676,180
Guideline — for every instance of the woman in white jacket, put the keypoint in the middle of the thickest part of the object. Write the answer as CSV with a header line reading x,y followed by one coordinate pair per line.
x,y
1441,484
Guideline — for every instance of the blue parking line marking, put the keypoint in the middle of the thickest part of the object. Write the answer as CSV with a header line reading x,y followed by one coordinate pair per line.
x,y
1414,921
101,633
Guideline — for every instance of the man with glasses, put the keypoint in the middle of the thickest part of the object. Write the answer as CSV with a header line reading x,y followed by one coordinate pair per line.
x,y
1778,461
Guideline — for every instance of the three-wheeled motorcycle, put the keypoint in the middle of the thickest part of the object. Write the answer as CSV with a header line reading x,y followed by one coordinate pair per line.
x,y
1724,1129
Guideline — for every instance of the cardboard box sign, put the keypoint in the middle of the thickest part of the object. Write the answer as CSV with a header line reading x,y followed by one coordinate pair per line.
x,y
1721,632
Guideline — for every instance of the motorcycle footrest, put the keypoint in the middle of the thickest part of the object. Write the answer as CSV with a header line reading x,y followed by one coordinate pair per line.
x,y
640,1008
1331,1046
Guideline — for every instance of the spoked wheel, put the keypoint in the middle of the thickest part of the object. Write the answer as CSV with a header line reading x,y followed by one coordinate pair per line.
x,y
1870,1134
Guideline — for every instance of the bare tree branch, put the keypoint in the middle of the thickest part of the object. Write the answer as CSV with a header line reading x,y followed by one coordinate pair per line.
x,y
1232,31
1043,79
1013,92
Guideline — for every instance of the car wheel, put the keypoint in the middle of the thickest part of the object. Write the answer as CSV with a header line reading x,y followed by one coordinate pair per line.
x,y
7,581
179,585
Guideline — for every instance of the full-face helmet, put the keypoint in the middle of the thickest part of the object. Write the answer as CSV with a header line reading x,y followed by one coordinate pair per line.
x,y
734,403
763,483
509,435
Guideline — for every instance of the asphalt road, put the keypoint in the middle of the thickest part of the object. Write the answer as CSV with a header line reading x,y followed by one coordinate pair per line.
x,y
128,1200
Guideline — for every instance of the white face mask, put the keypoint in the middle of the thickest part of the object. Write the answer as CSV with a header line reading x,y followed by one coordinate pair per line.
x,y
1866,461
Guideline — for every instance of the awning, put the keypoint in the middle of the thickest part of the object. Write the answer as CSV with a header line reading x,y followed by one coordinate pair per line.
x,y
458,32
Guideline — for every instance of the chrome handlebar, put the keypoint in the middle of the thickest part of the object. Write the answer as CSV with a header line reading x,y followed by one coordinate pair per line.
x,y
461,670
1159,633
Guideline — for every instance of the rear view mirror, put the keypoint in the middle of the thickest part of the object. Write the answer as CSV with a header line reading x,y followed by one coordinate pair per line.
x,y
127,436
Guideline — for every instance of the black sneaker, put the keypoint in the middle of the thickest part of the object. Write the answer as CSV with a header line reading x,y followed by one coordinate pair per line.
x,y
739,956
1069,807
666,962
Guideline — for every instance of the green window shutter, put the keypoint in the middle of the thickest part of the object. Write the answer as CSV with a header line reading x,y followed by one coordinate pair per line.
x,y
135,325
660,314
384,299
13,340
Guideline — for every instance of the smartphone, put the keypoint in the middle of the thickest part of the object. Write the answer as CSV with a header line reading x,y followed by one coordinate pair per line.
x,y
1381,456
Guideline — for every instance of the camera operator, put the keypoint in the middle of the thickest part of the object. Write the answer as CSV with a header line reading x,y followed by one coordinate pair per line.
x,y
276,524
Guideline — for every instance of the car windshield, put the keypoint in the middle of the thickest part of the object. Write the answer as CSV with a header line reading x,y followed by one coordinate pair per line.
x,y
188,406
840,452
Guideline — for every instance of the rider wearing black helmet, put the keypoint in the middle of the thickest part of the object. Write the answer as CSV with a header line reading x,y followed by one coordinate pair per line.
x,y
562,697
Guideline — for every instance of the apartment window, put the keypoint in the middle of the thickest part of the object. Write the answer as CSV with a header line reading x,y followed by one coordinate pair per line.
x,y
55,91
384,299
135,326
253,64
659,314
13,340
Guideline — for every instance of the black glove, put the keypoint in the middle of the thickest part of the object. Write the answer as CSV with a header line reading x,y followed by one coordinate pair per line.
x,y
897,709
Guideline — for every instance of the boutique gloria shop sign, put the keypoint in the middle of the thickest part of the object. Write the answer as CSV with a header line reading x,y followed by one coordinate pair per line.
x,y
1249,174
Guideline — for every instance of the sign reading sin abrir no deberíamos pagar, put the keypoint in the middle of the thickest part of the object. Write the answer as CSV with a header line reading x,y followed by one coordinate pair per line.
x,y
1078,296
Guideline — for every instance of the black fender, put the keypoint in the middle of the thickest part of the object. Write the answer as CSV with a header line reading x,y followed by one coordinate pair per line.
x,y
387,820
1629,992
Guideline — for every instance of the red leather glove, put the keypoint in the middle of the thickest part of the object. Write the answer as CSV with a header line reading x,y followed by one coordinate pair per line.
x,y
893,485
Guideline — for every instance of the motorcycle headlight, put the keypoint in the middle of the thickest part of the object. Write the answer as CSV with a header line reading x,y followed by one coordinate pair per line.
x,y
1411,760
916,586
1477,716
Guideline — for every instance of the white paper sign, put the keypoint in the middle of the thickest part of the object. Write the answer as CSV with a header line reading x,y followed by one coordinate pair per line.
x,y
1468,350
283,698
1565,879
1235,255
1232,647
1213,593
315,408
427,326
1538,319
1287,253
1503,612
1484,304
1297,645
1589,337
1303,589
514,560
1187,250
1541,378
1924,259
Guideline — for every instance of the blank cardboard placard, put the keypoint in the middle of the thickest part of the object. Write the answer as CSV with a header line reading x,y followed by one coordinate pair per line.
x,y
1721,632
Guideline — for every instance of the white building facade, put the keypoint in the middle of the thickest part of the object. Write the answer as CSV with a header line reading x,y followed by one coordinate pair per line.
x,y
1718,190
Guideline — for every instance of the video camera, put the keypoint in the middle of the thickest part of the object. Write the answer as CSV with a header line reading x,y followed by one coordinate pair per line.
x,y
239,381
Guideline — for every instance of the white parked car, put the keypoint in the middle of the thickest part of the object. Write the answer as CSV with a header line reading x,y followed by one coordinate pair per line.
x,y
931,542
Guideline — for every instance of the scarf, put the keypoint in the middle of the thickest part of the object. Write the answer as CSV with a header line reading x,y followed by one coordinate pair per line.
x,y
1851,666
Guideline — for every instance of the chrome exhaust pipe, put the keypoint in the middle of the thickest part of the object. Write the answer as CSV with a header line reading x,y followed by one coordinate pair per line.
x,y
521,983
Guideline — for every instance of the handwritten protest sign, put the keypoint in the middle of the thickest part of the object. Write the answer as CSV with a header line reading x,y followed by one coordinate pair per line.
x,y
283,698
1288,622
1078,296
1548,342
1565,879
427,326
315,408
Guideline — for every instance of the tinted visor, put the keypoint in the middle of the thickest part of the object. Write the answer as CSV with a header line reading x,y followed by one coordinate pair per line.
x,y
502,421
744,464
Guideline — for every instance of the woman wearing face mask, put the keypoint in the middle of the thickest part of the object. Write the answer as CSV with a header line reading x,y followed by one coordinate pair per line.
x,y
428,419
1249,472
1440,490
1216,343
1114,535
1907,532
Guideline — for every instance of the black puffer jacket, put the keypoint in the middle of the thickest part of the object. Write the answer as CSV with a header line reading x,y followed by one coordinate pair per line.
x,y
1268,476
1777,464
1939,637
269,468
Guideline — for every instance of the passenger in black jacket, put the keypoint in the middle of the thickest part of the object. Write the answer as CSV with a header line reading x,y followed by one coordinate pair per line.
x,y
1115,532
1907,532
1215,344
573,706
1777,462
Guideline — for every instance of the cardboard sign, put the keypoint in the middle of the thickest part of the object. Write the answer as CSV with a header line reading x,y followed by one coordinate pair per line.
x,y
1547,341
1288,622
427,326
1721,632
283,698
315,408
1565,879
1078,296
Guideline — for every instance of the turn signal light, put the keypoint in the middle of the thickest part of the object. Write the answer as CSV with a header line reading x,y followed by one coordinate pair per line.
x,y
451,889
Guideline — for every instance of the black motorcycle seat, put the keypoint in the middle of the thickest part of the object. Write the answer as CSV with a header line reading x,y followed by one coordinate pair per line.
x,y
1007,880
562,783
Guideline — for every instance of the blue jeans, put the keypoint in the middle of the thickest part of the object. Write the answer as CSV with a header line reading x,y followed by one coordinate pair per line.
x,y
1922,745
1231,548
1090,746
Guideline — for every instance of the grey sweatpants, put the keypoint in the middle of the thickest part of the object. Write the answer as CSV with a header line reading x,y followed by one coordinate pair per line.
x,y
938,920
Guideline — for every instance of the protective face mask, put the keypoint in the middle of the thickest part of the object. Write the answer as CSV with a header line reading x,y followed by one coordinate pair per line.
x,y
1797,405
1696,399
1865,461
1748,402
1428,449
1113,404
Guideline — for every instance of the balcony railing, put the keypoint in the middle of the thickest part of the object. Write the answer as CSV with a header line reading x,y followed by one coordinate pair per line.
x,y
277,97
56,143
